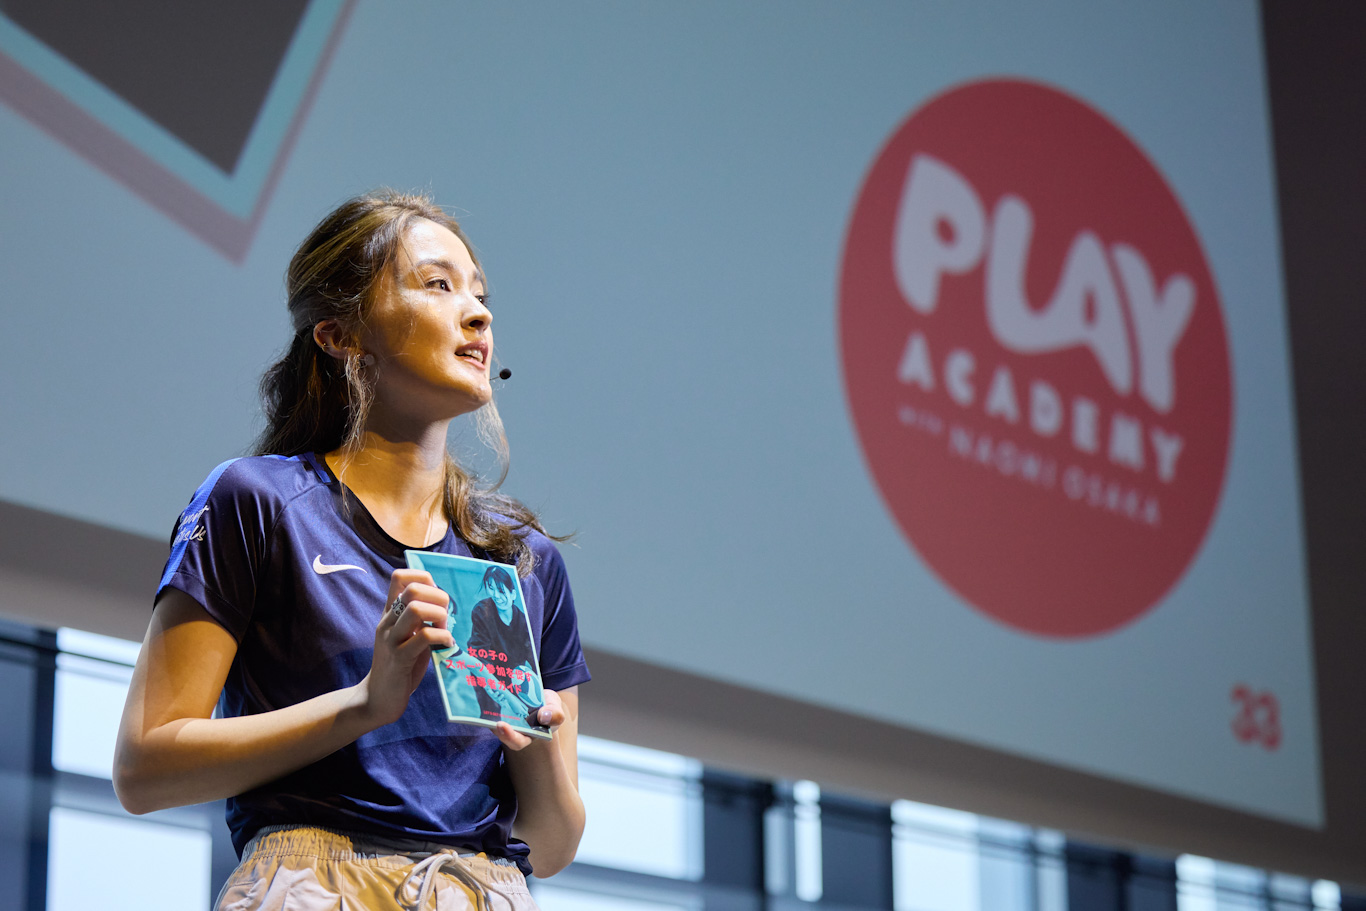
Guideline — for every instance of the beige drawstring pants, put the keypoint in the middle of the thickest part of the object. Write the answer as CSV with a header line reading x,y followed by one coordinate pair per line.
x,y
300,868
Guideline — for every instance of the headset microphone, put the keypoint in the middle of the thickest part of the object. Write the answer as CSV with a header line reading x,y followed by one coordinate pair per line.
x,y
505,374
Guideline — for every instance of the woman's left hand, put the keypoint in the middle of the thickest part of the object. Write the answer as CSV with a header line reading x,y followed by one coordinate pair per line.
x,y
551,714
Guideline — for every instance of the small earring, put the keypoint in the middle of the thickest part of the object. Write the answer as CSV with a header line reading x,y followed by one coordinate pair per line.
x,y
365,360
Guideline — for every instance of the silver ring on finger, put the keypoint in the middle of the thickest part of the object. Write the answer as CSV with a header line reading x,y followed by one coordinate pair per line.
x,y
397,607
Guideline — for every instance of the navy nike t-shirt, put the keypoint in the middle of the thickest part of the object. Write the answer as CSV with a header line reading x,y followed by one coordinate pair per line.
x,y
298,572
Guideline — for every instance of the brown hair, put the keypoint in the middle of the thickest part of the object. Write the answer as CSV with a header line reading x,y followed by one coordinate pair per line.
x,y
317,403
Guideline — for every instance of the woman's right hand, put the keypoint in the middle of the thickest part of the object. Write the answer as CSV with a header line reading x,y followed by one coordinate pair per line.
x,y
404,642
170,751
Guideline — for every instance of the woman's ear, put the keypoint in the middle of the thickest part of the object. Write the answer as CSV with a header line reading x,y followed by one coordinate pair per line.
x,y
330,338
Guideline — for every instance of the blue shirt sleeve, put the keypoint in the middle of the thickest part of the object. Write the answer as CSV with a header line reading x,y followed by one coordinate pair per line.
x,y
561,656
220,545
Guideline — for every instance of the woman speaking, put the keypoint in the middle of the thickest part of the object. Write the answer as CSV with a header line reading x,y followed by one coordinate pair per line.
x,y
286,603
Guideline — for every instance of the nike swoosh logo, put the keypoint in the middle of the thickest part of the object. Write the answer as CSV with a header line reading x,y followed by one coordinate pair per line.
x,y
323,569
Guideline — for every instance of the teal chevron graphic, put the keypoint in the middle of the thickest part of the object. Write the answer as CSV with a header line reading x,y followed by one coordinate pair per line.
x,y
192,105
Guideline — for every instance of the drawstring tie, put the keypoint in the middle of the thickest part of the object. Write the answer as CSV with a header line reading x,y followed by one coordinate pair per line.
x,y
427,869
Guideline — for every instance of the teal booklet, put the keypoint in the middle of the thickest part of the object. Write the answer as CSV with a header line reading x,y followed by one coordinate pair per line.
x,y
492,673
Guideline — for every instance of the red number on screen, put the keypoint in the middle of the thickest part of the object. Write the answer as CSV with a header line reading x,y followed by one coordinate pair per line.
x,y
1259,717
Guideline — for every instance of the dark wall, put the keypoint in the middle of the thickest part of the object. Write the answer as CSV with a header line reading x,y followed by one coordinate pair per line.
x,y
1316,61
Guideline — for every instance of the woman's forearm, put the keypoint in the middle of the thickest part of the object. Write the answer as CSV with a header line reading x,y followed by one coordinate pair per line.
x,y
545,775
170,751
550,815
193,760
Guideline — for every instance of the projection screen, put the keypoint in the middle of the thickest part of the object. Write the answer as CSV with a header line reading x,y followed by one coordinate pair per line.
x,y
921,363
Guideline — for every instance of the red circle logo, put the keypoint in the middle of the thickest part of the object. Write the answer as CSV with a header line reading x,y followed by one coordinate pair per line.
x,y
1035,358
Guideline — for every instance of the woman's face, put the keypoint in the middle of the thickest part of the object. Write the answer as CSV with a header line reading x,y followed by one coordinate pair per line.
x,y
429,330
502,597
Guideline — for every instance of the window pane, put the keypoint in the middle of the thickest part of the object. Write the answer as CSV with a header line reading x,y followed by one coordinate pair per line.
x,y
1203,884
779,861
1052,870
1289,893
1327,895
93,645
1006,875
1240,888
92,683
97,861
806,840
556,898
644,810
1195,884
640,759
87,706
935,865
